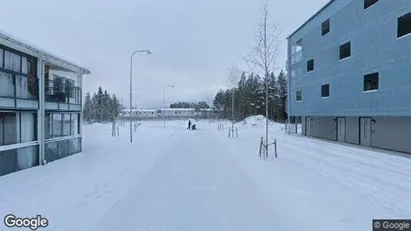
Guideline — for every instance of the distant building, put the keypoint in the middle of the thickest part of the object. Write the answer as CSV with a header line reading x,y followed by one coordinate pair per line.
x,y
170,113
350,73
40,106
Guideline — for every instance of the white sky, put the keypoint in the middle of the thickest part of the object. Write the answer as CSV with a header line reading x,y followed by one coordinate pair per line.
x,y
193,42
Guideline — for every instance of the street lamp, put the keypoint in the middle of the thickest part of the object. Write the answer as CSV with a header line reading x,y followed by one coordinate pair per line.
x,y
164,100
131,88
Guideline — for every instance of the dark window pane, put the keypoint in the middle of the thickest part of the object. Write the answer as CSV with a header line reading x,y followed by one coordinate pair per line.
x,y
50,151
404,25
48,125
10,128
18,159
299,96
310,65
345,50
325,90
371,82
368,3
325,27
1,129
6,84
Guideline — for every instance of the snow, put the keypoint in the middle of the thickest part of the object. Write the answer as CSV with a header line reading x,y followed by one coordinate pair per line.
x,y
176,179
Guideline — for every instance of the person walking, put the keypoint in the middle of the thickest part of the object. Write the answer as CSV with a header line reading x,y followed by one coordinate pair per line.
x,y
189,125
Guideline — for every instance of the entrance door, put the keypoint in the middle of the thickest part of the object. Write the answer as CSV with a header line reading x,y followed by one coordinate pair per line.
x,y
365,131
308,126
341,129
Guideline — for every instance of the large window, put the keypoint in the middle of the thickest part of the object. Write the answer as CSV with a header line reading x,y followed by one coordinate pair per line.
x,y
345,50
368,3
6,84
325,90
325,27
18,159
371,82
310,65
404,25
60,149
61,124
17,127
299,95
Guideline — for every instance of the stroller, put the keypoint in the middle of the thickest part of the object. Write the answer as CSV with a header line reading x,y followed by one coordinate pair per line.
x,y
193,127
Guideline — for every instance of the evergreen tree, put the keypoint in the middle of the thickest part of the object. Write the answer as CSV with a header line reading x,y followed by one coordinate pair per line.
x,y
87,109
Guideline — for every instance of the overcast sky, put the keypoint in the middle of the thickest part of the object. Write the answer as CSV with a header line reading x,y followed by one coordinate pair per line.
x,y
193,42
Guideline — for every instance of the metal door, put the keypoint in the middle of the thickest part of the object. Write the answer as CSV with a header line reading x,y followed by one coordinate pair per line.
x,y
365,131
308,126
341,129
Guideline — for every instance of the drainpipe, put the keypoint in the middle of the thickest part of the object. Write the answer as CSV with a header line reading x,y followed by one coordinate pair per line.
x,y
41,112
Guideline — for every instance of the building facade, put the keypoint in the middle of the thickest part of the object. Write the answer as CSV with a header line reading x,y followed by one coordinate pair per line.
x,y
171,113
350,73
40,106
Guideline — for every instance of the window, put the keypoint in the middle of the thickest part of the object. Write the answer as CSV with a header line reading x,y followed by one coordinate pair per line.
x,y
368,3
371,82
310,65
404,25
24,65
17,127
75,126
325,90
345,50
299,96
70,88
325,27
6,84
66,124
56,126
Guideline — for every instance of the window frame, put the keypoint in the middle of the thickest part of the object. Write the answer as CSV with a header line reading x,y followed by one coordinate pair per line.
x,y
407,16
323,90
313,66
371,75
299,93
342,47
325,27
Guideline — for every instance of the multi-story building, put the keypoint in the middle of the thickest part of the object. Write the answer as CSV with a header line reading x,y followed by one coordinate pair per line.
x,y
350,73
40,106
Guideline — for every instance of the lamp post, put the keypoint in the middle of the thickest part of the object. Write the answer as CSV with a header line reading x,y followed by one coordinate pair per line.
x,y
148,52
164,102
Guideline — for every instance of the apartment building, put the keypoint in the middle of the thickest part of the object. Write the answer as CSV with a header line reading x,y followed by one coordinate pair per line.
x,y
350,73
40,106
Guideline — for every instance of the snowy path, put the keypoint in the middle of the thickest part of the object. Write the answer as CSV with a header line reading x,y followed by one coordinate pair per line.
x,y
173,179
196,186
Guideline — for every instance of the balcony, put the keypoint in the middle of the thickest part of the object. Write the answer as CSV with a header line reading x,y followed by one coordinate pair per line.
x,y
18,90
60,95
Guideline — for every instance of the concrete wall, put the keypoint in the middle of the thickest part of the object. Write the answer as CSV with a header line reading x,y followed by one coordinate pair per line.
x,y
324,127
352,130
392,133
374,48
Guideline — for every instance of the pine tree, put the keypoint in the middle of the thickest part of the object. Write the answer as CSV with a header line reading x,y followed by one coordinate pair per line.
x,y
88,107
282,96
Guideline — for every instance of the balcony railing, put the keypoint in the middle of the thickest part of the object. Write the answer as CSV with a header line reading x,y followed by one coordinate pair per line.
x,y
60,92
18,86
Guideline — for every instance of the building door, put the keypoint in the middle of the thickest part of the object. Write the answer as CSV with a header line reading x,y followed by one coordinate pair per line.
x,y
365,131
341,129
308,126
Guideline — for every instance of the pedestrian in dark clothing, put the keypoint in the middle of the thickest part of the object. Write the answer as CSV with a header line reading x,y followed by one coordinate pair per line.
x,y
189,125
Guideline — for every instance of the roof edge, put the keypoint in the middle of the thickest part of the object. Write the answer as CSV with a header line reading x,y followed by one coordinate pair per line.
x,y
313,16
42,52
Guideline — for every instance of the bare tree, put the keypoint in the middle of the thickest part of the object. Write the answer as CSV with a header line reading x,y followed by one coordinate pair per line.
x,y
234,75
265,53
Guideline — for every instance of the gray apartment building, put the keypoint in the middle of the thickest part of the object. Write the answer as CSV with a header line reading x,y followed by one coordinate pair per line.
x,y
349,67
40,106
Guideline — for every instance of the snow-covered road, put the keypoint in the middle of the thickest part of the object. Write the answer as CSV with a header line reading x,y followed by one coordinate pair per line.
x,y
174,179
